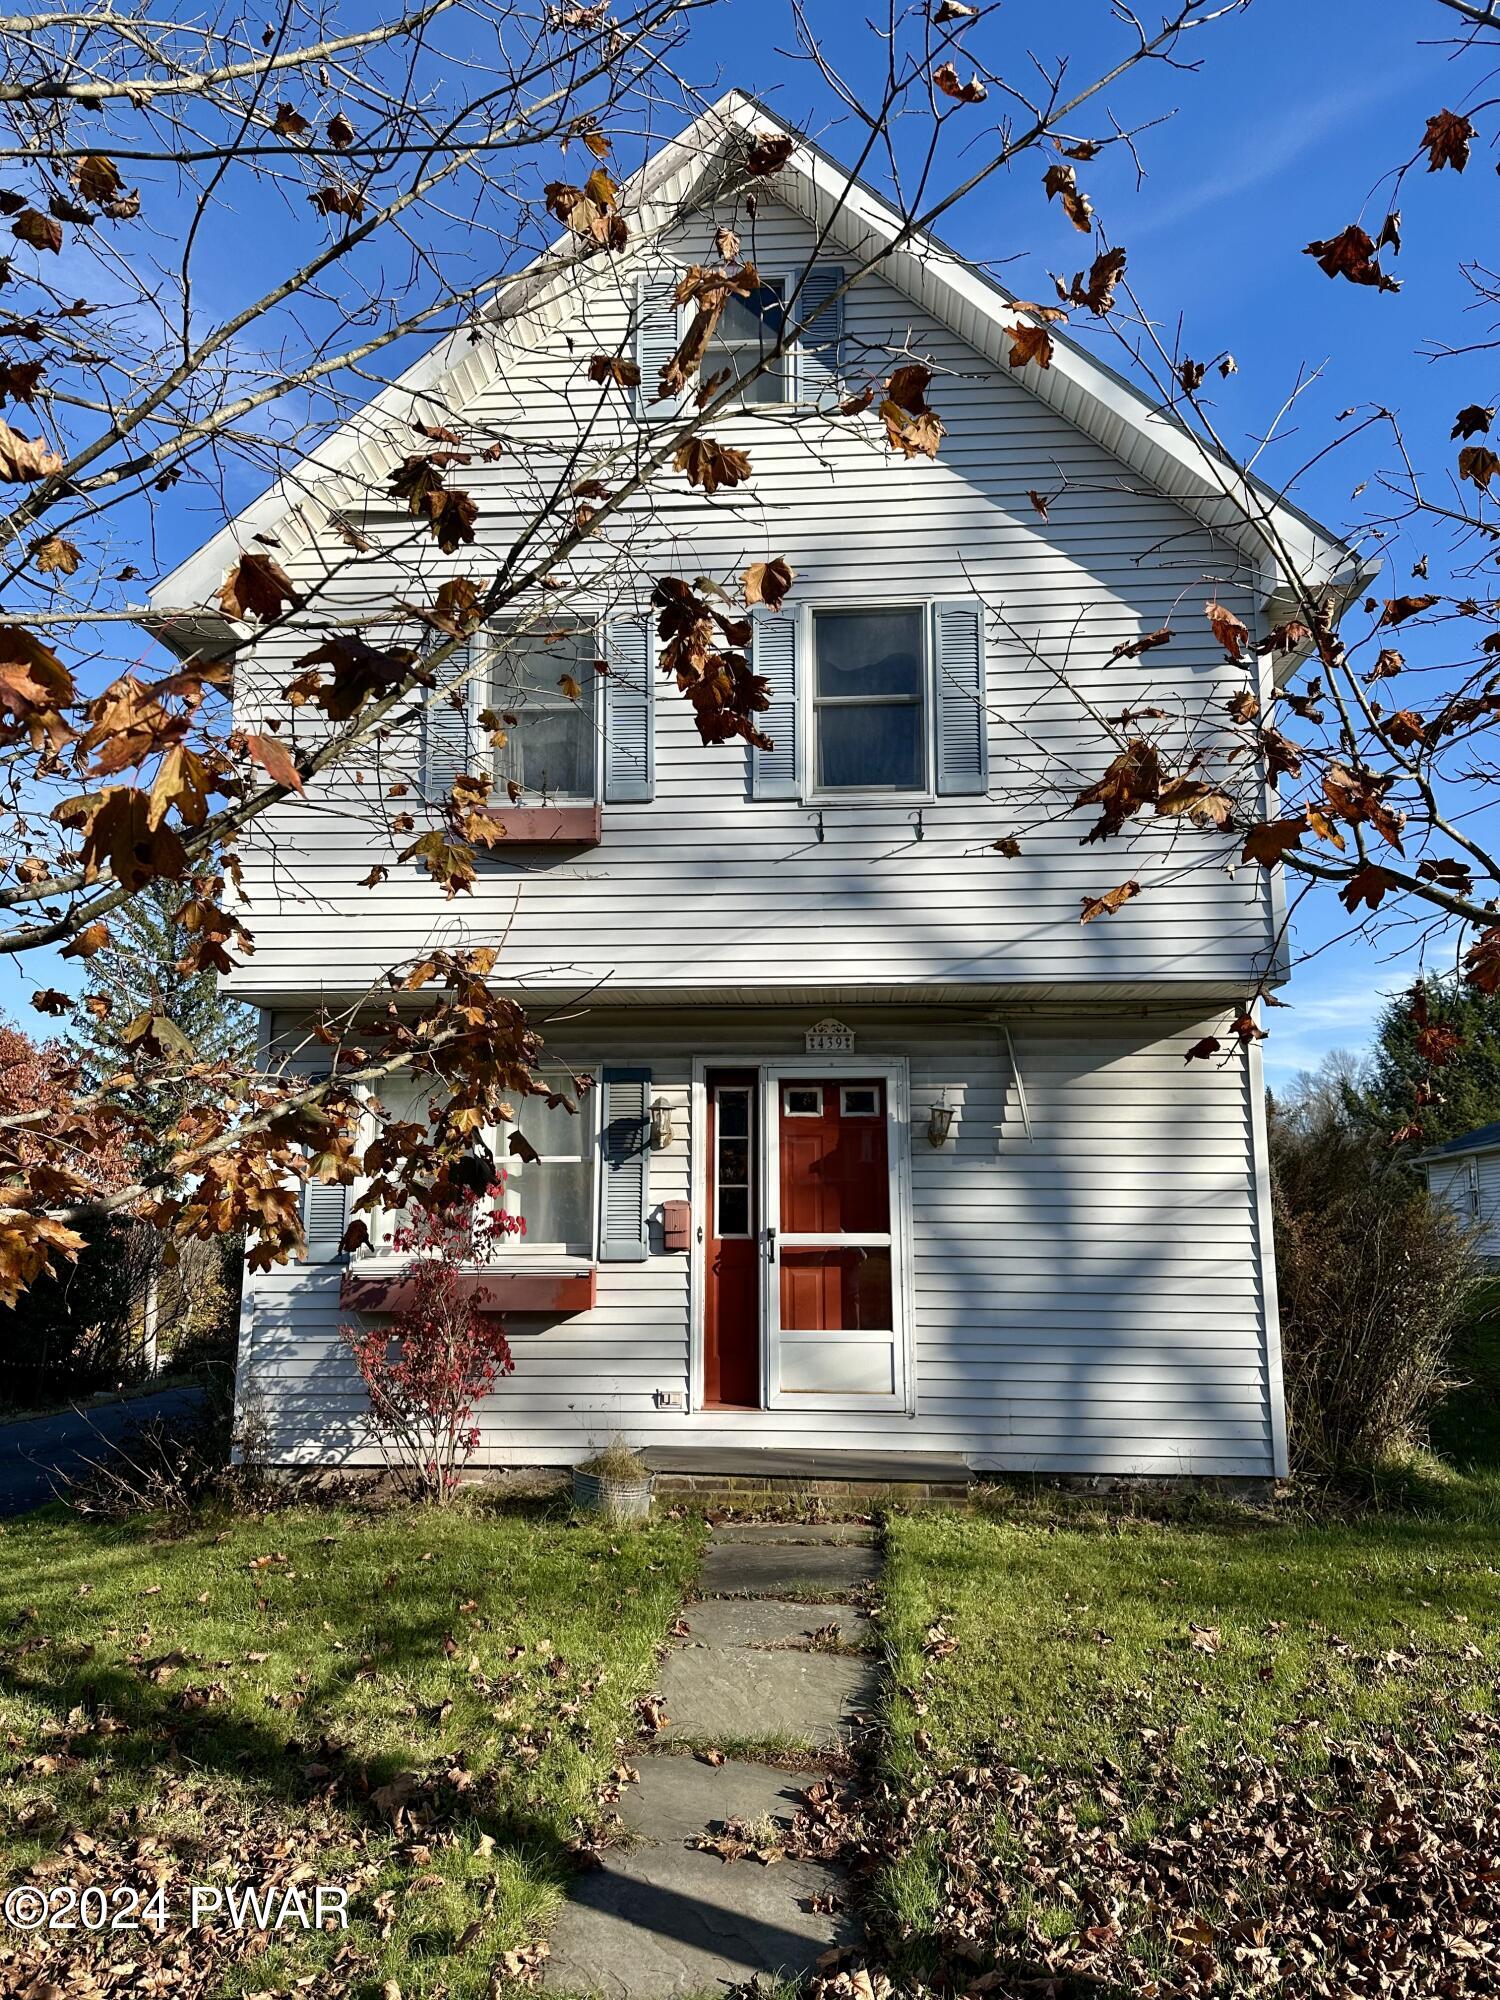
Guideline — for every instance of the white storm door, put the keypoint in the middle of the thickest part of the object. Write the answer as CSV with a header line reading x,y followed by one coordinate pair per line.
x,y
834,1250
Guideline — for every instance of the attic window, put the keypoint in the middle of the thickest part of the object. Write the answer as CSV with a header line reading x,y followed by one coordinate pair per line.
x,y
750,328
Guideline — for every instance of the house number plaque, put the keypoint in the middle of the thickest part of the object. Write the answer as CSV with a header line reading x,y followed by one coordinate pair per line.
x,y
829,1038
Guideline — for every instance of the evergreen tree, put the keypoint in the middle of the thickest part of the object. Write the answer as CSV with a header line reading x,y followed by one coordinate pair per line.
x,y
1428,1081
139,973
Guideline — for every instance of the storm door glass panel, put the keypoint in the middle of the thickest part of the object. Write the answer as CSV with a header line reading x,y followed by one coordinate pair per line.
x,y
844,1291
541,689
834,1166
869,703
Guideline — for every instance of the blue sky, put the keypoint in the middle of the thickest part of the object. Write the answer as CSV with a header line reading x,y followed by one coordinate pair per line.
x,y
1282,135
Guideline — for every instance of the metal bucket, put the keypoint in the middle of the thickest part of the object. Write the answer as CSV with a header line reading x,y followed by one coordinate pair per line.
x,y
616,1499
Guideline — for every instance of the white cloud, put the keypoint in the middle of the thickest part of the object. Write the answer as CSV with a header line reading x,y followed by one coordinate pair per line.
x,y
1273,145
1318,1018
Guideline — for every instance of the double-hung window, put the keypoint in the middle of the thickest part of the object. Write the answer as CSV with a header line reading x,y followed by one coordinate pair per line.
x,y
869,701
540,686
748,329
553,1193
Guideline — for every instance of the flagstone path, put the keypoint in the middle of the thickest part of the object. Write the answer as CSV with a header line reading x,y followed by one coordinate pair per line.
x,y
754,1675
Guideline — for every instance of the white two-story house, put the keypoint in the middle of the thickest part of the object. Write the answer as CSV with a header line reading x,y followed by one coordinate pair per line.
x,y
889,1155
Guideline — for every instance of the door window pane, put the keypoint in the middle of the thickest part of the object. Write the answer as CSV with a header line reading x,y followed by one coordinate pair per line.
x,y
732,1163
836,1291
734,1211
869,701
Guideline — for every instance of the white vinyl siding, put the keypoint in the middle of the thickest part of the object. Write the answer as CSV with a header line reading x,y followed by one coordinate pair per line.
x,y
1468,1185
1088,1300
703,886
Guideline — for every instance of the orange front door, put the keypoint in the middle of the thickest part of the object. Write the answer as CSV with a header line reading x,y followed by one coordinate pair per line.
x,y
731,1292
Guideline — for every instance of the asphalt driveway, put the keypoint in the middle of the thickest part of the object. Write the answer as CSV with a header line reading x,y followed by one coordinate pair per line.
x,y
36,1456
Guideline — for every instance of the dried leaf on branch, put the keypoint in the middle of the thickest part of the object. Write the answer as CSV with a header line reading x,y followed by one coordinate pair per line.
x,y
1061,180
913,427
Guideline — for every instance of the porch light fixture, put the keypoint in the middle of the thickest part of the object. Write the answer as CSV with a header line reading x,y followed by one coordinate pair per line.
x,y
661,1124
940,1121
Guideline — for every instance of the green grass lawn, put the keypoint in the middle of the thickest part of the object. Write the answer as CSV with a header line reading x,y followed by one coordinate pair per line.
x,y
1145,1702
419,1707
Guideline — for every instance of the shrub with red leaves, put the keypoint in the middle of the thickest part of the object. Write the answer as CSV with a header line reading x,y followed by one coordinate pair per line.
x,y
428,1367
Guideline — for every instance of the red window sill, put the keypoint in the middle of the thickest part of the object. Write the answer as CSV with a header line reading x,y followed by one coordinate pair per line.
x,y
558,826
556,1292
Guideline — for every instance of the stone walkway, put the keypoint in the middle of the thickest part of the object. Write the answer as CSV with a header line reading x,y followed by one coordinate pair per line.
x,y
660,1918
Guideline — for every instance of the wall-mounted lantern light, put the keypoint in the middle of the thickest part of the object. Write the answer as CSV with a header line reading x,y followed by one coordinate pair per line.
x,y
940,1121
661,1124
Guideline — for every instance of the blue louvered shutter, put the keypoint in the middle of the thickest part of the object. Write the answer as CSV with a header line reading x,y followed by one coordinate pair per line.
x,y
624,1165
958,695
656,335
325,1212
822,344
629,732
447,731
776,773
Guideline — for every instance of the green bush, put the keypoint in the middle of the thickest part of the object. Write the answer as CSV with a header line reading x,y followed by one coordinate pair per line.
x,y
74,1334
1375,1280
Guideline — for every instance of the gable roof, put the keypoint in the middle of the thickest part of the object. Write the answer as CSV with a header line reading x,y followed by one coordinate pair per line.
x,y
858,223
1483,1139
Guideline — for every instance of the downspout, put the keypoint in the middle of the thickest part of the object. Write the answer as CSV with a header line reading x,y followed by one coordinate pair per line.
x,y
1015,1070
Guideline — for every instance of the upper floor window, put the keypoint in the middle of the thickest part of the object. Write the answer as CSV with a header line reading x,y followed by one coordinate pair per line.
x,y
540,687
869,701
749,328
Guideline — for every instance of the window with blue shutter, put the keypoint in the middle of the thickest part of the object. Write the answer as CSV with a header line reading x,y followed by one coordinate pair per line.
x,y
776,773
657,318
821,346
629,709
624,1165
325,1209
959,696
447,734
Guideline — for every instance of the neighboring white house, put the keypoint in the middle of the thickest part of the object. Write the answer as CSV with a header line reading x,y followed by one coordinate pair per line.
x,y
889,1154
1464,1174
